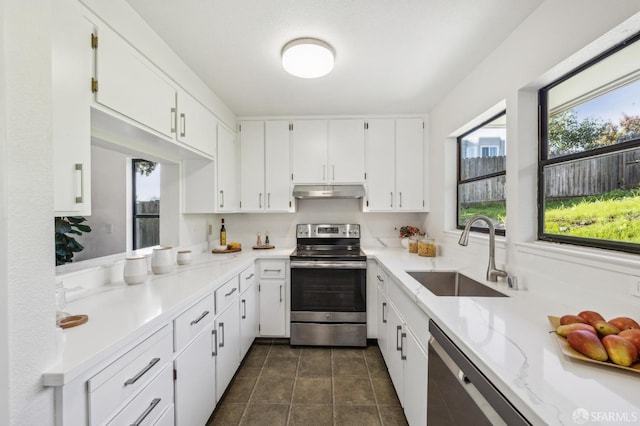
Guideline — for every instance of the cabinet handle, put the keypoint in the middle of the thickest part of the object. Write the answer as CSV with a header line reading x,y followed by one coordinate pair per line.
x,y
384,305
233,290
333,172
197,320
400,200
273,270
80,168
183,122
268,200
142,372
398,345
214,333
250,276
402,355
174,120
324,172
260,200
280,293
244,309
146,412
380,278
221,198
391,200
221,335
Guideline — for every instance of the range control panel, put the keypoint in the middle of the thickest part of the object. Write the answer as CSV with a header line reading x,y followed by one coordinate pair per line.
x,y
328,231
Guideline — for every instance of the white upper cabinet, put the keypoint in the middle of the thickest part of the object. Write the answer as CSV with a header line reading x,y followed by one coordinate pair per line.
x,y
277,161
410,164
395,165
346,151
196,126
71,74
252,166
309,151
130,85
227,161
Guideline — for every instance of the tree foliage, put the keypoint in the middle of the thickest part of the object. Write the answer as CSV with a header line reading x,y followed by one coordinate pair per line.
x,y
66,245
145,167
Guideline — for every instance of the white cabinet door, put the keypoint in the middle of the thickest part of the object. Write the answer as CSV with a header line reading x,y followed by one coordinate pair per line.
x,y
278,169
346,151
198,186
248,318
131,86
227,327
395,363
272,308
252,166
309,151
71,58
409,164
415,381
228,199
195,397
383,321
380,152
195,126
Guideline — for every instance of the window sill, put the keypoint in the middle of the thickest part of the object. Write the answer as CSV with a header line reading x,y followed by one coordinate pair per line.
x,y
599,258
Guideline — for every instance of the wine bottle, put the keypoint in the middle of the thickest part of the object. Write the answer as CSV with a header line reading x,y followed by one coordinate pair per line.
x,y
223,235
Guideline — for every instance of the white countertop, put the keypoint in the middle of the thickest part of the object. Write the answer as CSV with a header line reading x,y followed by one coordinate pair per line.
x,y
507,338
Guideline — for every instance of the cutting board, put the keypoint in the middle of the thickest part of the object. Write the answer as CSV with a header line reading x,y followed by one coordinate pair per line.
x,y
233,250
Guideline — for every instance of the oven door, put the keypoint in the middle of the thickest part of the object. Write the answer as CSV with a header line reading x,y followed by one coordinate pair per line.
x,y
328,291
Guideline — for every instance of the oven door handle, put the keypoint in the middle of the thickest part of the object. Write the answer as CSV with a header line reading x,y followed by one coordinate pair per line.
x,y
297,264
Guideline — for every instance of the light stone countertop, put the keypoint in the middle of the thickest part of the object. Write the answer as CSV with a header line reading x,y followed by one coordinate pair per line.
x,y
507,338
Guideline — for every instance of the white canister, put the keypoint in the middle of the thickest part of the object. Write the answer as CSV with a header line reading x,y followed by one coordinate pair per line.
x,y
162,260
135,270
184,257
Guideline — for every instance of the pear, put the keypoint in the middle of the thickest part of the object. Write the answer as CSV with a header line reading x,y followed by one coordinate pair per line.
x,y
632,335
564,330
620,350
590,316
605,328
571,319
624,323
587,344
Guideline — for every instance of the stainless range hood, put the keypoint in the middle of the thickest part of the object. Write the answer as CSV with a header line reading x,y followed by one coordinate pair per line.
x,y
328,191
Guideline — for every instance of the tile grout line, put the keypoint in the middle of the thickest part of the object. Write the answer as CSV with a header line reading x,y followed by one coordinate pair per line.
x,y
373,389
293,389
255,385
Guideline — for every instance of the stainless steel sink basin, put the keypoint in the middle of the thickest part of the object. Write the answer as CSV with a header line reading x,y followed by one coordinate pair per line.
x,y
443,283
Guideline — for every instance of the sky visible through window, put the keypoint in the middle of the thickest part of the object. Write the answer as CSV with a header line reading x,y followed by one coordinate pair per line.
x,y
612,106
148,187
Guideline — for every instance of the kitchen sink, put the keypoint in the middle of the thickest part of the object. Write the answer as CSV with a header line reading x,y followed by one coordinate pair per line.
x,y
456,284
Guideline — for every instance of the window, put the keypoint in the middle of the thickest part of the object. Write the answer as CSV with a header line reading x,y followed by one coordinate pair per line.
x,y
482,174
146,203
589,168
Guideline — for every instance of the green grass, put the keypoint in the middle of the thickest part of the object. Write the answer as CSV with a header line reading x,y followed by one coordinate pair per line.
x,y
612,216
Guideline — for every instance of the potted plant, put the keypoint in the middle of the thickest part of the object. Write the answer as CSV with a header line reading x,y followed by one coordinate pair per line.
x,y
66,245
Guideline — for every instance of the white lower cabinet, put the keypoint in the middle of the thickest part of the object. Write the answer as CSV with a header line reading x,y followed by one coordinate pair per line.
x,y
227,327
272,308
195,392
395,363
415,380
382,321
248,317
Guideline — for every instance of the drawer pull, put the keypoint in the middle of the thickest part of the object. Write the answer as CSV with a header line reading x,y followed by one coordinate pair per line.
x,y
403,337
244,309
146,412
273,270
197,320
142,372
221,345
215,342
231,292
250,276
380,278
384,305
398,338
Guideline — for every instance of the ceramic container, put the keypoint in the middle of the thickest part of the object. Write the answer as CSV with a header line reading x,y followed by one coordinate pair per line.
x,y
135,270
162,260
184,257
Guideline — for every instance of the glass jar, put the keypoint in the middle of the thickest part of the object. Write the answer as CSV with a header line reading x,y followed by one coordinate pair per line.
x,y
427,247
413,244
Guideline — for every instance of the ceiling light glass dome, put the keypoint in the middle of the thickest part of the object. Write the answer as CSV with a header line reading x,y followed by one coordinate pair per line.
x,y
308,58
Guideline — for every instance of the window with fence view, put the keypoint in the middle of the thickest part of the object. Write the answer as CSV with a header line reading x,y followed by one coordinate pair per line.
x,y
146,203
589,170
482,154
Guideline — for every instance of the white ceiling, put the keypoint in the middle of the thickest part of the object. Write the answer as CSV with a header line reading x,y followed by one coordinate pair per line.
x,y
392,57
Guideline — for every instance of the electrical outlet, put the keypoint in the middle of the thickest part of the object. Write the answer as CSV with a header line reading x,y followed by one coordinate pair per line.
x,y
634,288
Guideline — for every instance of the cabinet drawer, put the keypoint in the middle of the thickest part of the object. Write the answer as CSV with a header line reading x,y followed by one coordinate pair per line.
x,y
195,319
247,277
124,378
272,269
415,317
149,405
226,294
167,418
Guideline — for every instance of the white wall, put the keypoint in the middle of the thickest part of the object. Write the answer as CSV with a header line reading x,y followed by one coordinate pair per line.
x,y
27,308
554,39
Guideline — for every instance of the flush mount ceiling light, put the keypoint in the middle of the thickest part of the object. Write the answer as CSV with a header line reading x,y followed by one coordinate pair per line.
x,y
307,58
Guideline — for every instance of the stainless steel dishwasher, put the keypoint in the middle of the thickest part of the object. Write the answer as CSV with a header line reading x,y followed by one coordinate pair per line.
x,y
458,393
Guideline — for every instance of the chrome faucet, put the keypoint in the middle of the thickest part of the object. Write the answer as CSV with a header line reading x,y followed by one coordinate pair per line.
x,y
492,272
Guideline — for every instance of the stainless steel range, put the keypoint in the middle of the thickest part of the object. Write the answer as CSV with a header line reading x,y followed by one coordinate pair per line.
x,y
328,286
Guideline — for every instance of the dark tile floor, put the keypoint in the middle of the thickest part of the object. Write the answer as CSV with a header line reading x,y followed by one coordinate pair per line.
x,y
282,385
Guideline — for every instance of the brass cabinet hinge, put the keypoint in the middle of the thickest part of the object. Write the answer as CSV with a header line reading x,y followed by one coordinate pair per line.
x,y
94,85
94,41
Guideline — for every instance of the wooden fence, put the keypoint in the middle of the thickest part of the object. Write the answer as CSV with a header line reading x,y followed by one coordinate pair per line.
x,y
575,179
